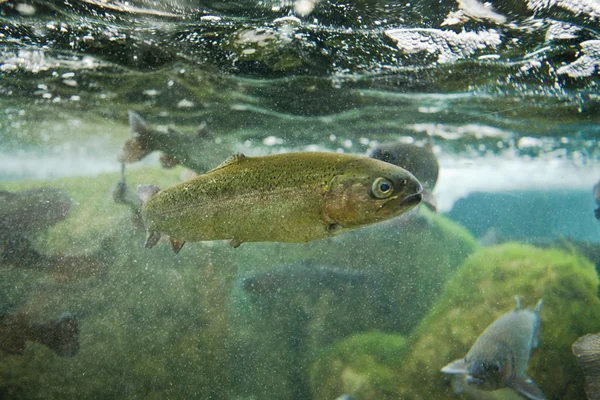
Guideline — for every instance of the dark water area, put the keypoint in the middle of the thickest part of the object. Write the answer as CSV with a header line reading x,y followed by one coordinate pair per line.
x,y
494,107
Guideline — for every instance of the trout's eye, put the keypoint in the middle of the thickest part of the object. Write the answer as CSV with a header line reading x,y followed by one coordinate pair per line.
x,y
382,188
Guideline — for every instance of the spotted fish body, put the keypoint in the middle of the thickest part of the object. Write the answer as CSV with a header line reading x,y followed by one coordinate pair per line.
x,y
293,197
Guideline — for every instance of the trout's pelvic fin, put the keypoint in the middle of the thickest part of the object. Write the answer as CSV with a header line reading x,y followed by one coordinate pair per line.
x,y
231,160
152,239
137,147
176,245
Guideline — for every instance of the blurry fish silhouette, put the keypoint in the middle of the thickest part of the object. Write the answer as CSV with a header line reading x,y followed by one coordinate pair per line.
x,y
587,351
32,210
196,152
63,268
597,196
61,334
500,355
420,161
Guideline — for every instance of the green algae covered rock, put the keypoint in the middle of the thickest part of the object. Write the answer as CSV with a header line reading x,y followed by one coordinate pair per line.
x,y
482,290
364,365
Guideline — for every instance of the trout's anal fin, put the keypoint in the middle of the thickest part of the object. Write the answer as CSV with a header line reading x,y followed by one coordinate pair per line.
x,y
152,239
235,243
231,160
176,245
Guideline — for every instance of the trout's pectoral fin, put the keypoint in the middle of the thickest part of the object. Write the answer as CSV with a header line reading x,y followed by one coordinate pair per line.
x,y
176,245
152,239
525,386
456,367
235,243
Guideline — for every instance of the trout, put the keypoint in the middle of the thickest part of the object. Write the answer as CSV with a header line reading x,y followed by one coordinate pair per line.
x,y
177,148
293,197
499,357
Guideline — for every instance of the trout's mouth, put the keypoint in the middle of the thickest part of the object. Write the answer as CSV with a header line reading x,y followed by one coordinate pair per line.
x,y
395,204
411,201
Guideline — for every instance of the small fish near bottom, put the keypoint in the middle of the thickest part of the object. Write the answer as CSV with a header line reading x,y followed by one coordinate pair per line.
x,y
499,357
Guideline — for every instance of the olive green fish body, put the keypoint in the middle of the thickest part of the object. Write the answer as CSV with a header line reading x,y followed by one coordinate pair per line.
x,y
294,197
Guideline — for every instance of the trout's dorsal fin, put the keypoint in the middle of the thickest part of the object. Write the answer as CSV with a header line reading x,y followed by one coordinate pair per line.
x,y
231,160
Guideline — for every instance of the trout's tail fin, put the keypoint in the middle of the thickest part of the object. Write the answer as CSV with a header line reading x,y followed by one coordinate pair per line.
x,y
138,146
145,193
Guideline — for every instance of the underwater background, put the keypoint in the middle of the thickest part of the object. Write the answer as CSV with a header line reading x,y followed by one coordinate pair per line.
x,y
505,95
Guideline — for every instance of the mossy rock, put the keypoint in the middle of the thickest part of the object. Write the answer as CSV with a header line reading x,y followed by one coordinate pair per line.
x,y
363,365
482,290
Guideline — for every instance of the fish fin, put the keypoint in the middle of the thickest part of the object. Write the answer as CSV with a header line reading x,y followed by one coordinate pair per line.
x,y
587,351
203,131
137,125
538,306
119,190
429,200
176,245
235,243
518,300
525,386
231,160
456,367
458,384
152,239
137,146
146,192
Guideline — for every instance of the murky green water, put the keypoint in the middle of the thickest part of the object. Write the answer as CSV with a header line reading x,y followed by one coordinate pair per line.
x,y
505,96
